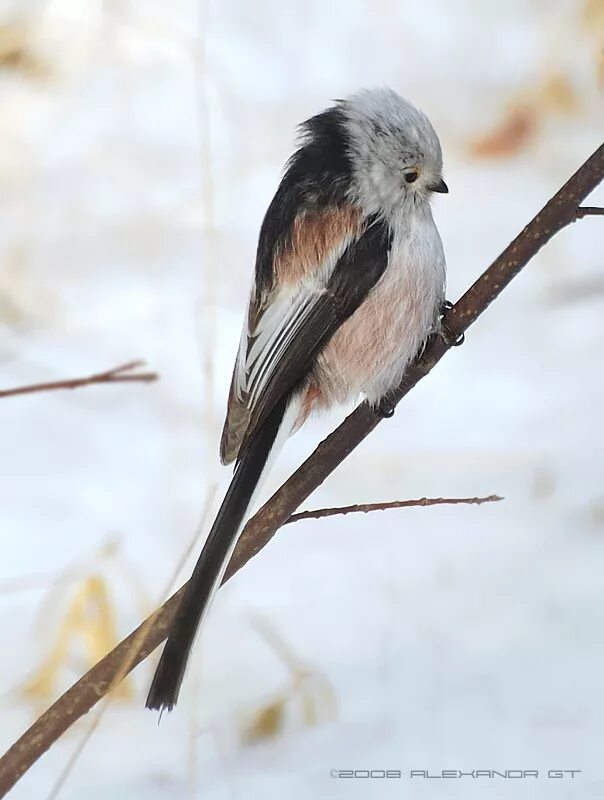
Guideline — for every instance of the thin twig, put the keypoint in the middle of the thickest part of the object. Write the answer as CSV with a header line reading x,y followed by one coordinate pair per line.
x,y
366,508
559,212
125,373
589,211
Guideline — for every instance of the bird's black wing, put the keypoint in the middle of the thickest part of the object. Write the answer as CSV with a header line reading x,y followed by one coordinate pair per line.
x,y
356,272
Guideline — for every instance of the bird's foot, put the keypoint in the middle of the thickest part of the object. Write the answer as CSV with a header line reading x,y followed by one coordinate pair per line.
x,y
385,410
449,338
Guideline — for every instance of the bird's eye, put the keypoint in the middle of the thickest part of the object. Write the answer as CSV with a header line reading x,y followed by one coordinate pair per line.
x,y
411,176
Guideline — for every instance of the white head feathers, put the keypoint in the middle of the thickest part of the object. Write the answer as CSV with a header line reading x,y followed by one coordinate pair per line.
x,y
395,153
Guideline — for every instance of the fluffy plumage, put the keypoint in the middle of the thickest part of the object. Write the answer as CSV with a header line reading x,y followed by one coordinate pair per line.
x,y
349,279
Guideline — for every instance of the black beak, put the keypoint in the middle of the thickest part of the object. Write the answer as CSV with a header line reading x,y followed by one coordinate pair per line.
x,y
440,187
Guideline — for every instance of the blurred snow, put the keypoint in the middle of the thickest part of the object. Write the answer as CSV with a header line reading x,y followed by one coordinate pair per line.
x,y
140,144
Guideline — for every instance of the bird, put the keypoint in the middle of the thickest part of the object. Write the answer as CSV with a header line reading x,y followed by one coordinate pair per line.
x,y
349,283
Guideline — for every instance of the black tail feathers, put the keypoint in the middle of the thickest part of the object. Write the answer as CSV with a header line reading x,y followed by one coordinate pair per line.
x,y
212,562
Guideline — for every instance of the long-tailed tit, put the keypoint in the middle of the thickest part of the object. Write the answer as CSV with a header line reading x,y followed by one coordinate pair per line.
x,y
349,283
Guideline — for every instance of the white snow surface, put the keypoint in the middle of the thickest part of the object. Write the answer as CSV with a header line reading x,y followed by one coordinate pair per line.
x,y
134,174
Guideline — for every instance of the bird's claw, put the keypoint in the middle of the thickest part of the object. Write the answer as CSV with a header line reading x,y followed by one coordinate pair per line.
x,y
450,339
385,410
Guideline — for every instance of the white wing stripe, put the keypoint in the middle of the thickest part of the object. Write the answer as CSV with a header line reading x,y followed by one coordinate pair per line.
x,y
260,349
280,338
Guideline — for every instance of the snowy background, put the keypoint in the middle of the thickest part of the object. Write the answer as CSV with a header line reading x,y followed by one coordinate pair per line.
x,y
140,143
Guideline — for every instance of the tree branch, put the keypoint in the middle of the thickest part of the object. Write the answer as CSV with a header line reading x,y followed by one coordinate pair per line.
x,y
123,374
366,508
589,211
559,212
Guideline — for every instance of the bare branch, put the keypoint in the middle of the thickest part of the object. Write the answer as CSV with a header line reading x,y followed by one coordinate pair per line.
x,y
589,211
559,212
125,373
366,508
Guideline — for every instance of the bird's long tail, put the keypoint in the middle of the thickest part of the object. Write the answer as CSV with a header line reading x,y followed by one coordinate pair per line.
x,y
209,570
